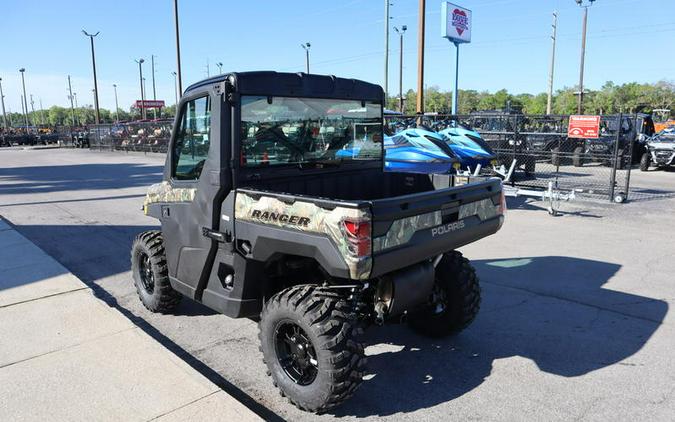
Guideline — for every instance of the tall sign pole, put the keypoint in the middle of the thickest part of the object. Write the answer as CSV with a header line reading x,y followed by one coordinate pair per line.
x,y
552,67
386,48
456,27
420,57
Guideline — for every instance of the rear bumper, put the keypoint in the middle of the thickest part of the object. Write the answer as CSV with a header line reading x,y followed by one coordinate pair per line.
x,y
428,243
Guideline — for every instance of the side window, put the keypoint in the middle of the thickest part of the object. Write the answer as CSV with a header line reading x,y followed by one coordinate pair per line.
x,y
192,140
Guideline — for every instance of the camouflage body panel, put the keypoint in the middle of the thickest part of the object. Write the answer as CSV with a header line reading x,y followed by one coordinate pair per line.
x,y
307,217
484,209
164,192
402,230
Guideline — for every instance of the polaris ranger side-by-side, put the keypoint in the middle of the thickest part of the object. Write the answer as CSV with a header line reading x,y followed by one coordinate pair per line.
x,y
261,217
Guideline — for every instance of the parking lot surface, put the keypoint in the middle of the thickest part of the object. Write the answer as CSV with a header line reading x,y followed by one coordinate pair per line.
x,y
575,321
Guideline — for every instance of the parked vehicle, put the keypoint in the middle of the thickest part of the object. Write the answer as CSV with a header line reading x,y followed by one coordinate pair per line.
x,y
632,132
261,218
660,150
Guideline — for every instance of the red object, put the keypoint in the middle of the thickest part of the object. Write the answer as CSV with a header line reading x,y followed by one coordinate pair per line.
x,y
358,235
460,21
583,127
242,159
266,158
149,103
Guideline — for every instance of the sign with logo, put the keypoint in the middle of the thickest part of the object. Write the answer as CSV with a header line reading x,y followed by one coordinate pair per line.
x,y
455,23
583,127
149,103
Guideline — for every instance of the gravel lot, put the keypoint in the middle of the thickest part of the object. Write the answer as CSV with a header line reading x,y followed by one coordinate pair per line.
x,y
575,322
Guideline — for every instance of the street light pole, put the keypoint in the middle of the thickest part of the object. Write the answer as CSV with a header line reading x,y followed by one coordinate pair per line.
x,y
24,104
140,79
93,63
2,99
220,68
117,107
581,3
420,57
175,14
70,97
306,46
175,88
154,92
400,66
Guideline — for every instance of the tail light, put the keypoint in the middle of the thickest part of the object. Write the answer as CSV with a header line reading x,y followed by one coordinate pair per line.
x,y
357,233
502,204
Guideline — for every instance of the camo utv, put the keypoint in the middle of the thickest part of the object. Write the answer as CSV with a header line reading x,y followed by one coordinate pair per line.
x,y
264,216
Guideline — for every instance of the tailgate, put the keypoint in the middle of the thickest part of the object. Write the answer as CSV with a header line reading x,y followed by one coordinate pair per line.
x,y
412,228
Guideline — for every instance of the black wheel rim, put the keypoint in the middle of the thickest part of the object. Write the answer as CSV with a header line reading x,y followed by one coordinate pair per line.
x,y
296,353
439,300
145,272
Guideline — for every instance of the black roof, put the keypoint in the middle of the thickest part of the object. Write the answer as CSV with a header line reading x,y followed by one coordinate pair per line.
x,y
296,85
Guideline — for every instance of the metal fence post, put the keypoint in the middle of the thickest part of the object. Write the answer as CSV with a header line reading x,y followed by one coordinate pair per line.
x,y
612,180
630,158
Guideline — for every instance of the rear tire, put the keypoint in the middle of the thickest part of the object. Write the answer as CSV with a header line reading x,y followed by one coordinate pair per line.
x,y
456,299
555,156
150,273
644,161
307,337
577,159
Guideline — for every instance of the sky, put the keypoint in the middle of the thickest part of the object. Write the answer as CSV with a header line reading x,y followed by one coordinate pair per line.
x,y
628,40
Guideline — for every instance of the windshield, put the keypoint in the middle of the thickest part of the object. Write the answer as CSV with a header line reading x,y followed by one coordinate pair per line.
x,y
665,136
284,130
414,140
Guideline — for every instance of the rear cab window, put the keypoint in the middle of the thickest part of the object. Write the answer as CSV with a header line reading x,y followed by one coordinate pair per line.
x,y
286,130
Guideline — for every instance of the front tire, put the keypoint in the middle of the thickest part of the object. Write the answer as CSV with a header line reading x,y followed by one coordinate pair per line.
x,y
150,273
456,299
644,161
307,337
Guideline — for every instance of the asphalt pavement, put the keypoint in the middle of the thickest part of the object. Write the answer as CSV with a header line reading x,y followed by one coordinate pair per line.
x,y
575,321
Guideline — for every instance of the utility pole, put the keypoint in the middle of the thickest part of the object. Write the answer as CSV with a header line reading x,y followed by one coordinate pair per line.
x,y
420,57
117,107
140,79
24,102
400,66
306,46
2,99
70,97
208,73
175,14
154,93
585,4
42,113
93,63
32,108
552,67
386,49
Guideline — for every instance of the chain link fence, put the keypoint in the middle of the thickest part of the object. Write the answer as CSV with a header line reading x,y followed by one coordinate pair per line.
x,y
135,136
541,152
